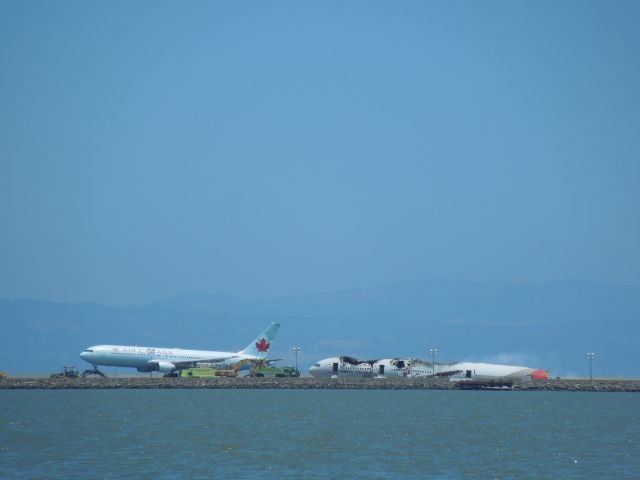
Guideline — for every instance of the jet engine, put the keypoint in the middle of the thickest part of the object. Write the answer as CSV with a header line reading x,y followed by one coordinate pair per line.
x,y
166,367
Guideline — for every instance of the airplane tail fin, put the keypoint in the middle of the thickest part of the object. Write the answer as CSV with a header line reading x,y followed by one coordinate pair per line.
x,y
259,347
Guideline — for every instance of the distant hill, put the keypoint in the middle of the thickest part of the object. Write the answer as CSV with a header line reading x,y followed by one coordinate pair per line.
x,y
548,325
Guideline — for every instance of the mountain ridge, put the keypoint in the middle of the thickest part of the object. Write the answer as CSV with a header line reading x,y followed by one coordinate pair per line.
x,y
551,324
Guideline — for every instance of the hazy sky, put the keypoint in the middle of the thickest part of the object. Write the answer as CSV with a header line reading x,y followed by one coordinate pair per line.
x,y
260,148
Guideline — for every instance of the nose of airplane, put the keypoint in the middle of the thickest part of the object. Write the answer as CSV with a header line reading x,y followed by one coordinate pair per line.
x,y
87,355
540,375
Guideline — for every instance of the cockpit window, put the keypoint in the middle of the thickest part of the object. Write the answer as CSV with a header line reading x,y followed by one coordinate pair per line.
x,y
89,350
316,364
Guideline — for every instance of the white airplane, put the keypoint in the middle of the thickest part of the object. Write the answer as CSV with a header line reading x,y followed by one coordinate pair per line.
x,y
411,367
168,360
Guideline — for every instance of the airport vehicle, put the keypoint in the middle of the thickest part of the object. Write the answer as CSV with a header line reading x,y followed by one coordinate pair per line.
x,y
169,360
258,369
198,372
346,366
269,371
68,371
235,369
3,375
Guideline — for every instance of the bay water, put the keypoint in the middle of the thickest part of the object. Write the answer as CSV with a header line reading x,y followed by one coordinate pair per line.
x,y
292,434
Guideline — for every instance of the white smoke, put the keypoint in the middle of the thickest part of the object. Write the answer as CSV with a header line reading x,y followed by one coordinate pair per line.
x,y
511,358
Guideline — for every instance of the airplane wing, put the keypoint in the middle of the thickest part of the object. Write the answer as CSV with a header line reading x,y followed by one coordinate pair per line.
x,y
193,363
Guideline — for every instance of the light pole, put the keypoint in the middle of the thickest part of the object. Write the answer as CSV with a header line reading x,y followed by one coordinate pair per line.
x,y
591,356
296,350
434,353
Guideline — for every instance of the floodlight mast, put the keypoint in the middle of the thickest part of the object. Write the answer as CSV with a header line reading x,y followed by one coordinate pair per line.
x,y
296,350
591,356
434,353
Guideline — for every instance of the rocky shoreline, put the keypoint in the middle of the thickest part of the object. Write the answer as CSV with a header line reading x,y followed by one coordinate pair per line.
x,y
303,383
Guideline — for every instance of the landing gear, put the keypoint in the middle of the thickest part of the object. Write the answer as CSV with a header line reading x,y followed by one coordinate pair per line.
x,y
93,371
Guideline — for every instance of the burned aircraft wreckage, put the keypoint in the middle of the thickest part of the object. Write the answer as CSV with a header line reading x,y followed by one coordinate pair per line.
x,y
405,367
415,367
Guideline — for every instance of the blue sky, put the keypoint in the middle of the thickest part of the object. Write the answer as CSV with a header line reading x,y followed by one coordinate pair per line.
x,y
270,148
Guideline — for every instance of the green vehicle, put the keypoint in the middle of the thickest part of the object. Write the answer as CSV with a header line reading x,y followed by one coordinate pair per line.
x,y
198,372
277,372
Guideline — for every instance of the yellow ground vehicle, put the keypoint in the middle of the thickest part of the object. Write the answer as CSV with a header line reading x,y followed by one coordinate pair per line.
x,y
233,371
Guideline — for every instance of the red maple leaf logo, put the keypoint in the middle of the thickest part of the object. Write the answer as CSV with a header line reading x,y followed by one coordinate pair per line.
x,y
262,345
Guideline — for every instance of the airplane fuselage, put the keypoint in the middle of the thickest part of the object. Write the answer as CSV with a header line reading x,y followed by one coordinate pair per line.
x,y
147,358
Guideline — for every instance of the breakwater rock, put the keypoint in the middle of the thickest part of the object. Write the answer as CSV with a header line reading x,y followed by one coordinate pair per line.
x,y
303,383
